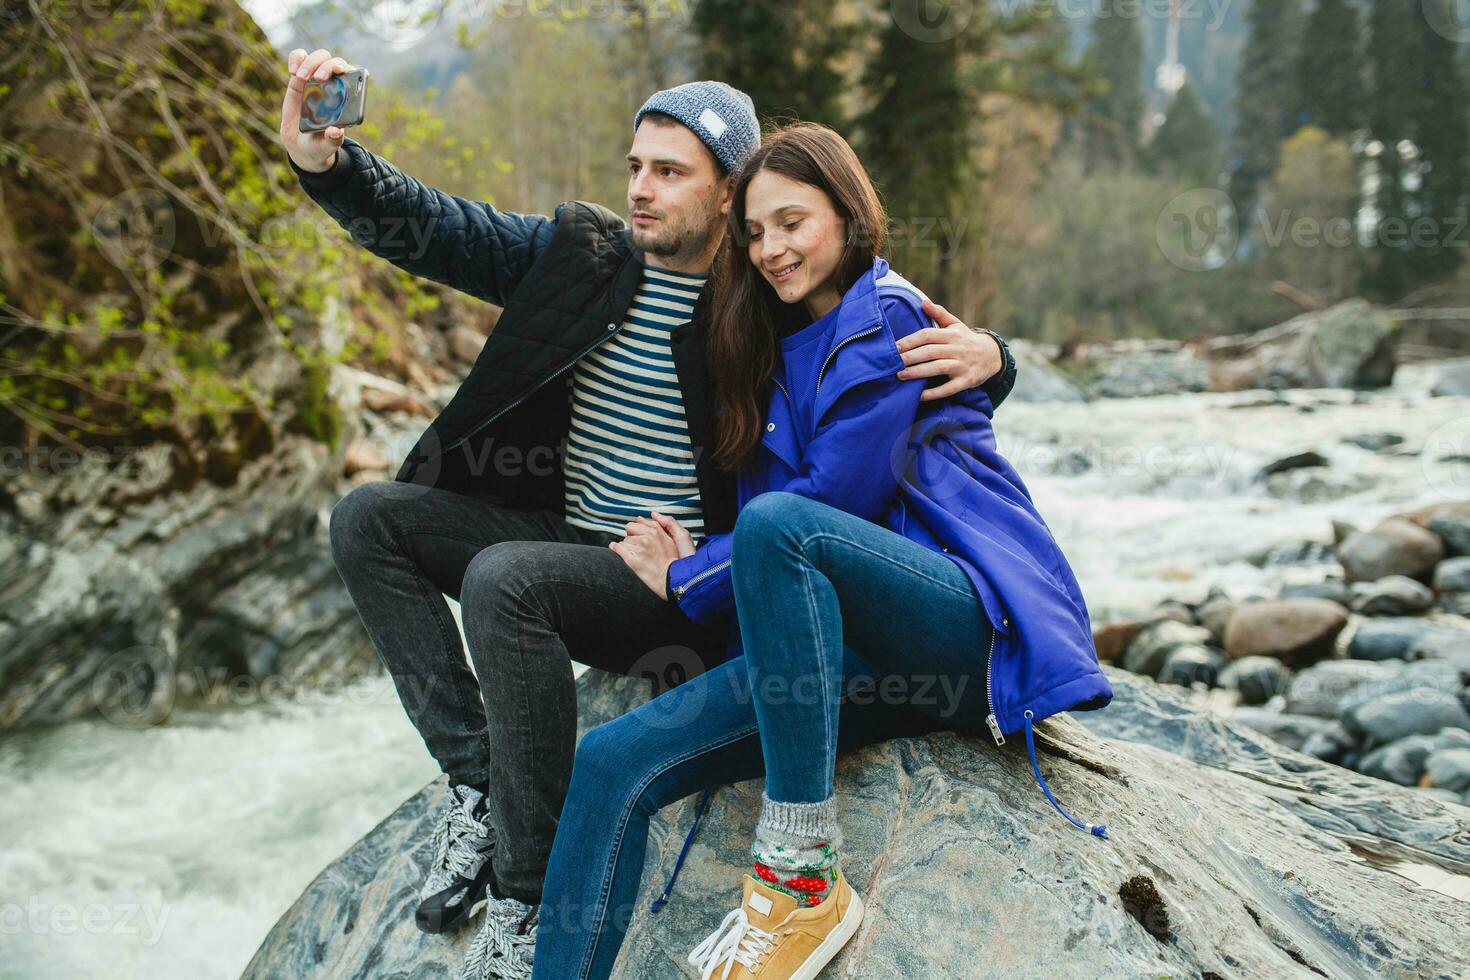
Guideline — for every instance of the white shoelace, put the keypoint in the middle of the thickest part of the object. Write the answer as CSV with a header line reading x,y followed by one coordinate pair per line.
x,y
505,946
735,941
462,844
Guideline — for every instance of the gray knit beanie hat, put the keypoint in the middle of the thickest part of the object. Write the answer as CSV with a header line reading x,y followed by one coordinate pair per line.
x,y
722,116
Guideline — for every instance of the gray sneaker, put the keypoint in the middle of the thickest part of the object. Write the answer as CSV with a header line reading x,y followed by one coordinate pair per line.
x,y
459,871
504,946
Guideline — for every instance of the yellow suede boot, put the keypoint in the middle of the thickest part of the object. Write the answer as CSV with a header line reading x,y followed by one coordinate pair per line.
x,y
769,937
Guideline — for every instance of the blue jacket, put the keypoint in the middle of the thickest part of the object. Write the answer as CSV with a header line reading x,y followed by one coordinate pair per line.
x,y
947,488
944,487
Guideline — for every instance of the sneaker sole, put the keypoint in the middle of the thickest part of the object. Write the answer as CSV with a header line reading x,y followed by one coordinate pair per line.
x,y
836,939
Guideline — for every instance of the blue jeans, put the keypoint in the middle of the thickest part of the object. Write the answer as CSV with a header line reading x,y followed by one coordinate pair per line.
x,y
853,634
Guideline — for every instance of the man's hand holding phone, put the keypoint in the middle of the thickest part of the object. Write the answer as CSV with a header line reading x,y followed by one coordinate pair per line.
x,y
315,150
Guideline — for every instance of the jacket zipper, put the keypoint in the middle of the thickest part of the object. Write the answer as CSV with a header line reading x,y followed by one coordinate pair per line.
x,y
530,391
680,590
990,692
846,340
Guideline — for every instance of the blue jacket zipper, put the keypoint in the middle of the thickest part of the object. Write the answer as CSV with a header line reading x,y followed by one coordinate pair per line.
x,y
990,692
680,590
843,343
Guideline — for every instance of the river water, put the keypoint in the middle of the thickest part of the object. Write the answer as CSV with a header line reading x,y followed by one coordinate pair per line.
x,y
169,852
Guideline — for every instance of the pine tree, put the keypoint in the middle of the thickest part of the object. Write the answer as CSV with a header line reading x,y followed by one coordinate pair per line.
x,y
1330,69
914,141
782,53
1187,143
1267,97
1114,116
1443,136
1422,142
925,111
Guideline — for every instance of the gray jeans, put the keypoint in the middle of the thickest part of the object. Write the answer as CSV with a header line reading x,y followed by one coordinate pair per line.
x,y
535,593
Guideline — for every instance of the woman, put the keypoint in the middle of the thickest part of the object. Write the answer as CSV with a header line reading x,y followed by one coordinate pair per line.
x,y
881,543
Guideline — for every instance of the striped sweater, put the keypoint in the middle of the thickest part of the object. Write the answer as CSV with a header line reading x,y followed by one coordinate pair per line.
x,y
628,450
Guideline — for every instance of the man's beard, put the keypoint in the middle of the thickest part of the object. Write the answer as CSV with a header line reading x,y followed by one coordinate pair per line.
x,y
687,241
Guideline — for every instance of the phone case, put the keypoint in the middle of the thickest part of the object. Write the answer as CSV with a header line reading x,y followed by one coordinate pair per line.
x,y
339,101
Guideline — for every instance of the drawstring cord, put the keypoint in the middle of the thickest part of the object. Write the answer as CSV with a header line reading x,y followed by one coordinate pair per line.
x,y
662,900
1097,829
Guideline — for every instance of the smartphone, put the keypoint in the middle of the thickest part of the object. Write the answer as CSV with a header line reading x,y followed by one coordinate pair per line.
x,y
338,101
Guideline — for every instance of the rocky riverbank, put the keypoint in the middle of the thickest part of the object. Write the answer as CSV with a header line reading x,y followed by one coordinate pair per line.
x,y
1229,855
1368,668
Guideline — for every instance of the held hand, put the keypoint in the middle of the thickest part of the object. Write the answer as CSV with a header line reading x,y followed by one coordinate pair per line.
x,y
968,358
649,550
681,537
315,152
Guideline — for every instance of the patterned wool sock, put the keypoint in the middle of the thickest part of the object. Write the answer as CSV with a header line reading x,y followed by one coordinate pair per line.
x,y
796,848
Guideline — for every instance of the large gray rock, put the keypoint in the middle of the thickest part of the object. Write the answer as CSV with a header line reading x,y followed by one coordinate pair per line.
x,y
122,595
1392,595
1395,547
1452,574
1449,769
1292,730
1389,639
1191,664
968,871
1152,646
1256,679
1450,646
1350,345
1133,374
1454,530
1320,689
1431,675
1298,632
1420,711
1038,380
1402,762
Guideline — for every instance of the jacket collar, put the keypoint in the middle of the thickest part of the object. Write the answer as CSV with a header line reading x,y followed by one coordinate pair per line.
x,y
858,309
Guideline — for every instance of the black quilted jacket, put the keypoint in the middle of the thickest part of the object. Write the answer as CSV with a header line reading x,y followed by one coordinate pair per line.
x,y
565,283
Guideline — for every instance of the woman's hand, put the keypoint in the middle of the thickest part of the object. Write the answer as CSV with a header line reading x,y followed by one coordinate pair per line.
x,y
314,152
652,545
968,357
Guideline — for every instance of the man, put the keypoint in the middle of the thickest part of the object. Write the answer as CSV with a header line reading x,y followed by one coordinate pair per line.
x,y
601,347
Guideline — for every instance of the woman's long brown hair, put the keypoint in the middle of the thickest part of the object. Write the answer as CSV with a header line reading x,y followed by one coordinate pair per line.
x,y
746,325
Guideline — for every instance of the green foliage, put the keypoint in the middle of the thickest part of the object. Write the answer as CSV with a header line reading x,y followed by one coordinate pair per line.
x,y
911,139
1312,223
920,135
1115,113
1186,145
782,53
1094,268
318,414
1330,69
159,255
1417,115
1268,98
